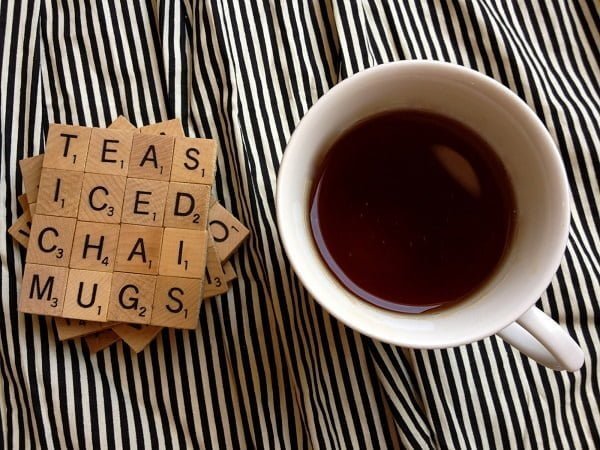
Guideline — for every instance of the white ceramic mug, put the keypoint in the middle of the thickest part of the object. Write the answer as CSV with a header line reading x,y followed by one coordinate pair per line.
x,y
506,304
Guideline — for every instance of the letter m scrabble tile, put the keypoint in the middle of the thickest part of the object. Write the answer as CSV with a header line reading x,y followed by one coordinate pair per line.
x,y
120,228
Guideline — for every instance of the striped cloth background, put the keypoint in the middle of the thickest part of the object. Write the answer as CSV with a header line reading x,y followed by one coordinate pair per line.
x,y
268,368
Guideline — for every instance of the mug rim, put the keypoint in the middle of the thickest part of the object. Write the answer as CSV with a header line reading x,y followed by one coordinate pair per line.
x,y
542,281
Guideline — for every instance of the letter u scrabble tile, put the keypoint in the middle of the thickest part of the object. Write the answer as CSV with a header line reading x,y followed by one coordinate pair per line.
x,y
87,295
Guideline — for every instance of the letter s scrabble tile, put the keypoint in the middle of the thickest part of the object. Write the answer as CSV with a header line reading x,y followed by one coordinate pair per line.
x,y
177,302
194,160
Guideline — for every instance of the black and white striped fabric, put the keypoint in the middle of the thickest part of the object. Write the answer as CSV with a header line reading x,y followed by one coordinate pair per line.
x,y
267,367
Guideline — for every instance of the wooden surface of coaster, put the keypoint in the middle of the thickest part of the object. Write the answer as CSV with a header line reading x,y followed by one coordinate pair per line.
x,y
137,337
102,340
116,226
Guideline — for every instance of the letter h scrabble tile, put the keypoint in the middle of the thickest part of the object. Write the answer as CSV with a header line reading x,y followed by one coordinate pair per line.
x,y
120,231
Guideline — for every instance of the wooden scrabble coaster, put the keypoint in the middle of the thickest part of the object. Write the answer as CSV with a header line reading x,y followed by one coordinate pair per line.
x,y
229,271
171,127
136,336
116,224
71,328
214,280
31,170
227,231
21,229
102,340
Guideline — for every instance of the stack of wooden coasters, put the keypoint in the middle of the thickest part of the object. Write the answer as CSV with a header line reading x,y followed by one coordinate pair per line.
x,y
122,233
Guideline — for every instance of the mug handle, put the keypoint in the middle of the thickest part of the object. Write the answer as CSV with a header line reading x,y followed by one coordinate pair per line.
x,y
542,339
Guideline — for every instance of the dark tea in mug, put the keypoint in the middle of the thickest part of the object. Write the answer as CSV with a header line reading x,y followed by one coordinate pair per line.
x,y
411,210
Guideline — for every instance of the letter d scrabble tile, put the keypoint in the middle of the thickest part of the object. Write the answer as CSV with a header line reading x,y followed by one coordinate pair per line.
x,y
187,206
177,302
183,253
43,290
87,296
66,147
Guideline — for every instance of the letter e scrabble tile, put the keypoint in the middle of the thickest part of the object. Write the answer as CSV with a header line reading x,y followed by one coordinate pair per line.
x,y
151,157
43,290
59,193
194,160
101,198
144,202
138,250
109,151
66,147
187,206
177,302
95,246
183,253
51,240
131,297
88,294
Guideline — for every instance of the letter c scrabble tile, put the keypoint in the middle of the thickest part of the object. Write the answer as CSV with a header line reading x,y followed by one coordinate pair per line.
x,y
51,240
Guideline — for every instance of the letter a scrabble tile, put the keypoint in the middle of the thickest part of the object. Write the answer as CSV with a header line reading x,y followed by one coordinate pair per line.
x,y
138,250
151,157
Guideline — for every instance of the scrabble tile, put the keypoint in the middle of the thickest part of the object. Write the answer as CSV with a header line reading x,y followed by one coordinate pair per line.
x,y
151,157
31,170
187,206
51,240
229,271
88,294
136,336
59,192
67,147
183,253
131,297
177,302
21,229
194,160
95,246
138,250
227,232
32,208
22,199
171,127
73,328
214,279
121,123
109,151
100,341
144,202
101,198
43,290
